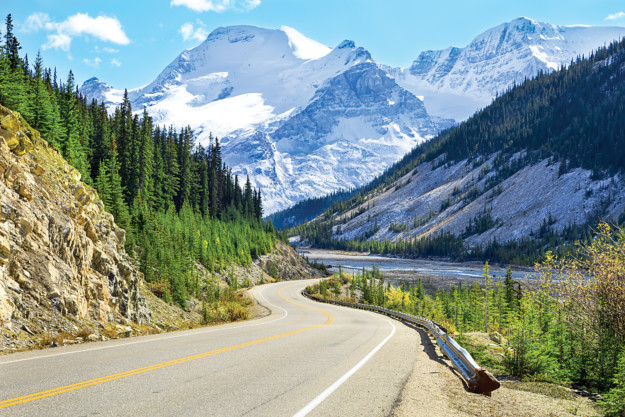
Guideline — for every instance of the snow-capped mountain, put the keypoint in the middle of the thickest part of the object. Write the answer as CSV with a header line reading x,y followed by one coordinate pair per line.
x,y
101,91
356,125
455,82
299,118
302,119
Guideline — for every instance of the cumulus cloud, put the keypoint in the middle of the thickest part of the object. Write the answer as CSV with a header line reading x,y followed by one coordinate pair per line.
x,y
115,62
615,16
217,5
189,31
107,29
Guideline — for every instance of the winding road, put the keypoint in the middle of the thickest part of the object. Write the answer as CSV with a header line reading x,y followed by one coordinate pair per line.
x,y
304,358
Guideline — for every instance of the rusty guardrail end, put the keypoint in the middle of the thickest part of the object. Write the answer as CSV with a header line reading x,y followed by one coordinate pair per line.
x,y
483,383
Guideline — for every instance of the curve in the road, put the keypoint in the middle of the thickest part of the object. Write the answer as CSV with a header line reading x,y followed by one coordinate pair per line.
x,y
280,378
44,394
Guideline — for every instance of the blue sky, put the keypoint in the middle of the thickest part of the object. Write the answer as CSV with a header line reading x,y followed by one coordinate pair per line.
x,y
127,43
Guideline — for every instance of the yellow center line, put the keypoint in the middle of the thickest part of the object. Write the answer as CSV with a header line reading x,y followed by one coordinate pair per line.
x,y
43,394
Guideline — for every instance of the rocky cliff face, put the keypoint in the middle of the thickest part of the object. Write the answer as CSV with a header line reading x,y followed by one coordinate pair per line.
x,y
62,258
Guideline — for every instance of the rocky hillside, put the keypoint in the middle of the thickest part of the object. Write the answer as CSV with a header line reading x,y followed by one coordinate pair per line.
x,y
458,198
64,273
62,258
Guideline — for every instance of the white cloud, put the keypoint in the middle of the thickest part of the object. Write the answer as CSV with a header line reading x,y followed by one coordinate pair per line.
x,y
115,62
217,5
107,29
58,41
615,16
95,62
188,31
37,21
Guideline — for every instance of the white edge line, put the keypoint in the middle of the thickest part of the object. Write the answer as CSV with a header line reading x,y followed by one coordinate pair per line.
x,y
325,394
158,338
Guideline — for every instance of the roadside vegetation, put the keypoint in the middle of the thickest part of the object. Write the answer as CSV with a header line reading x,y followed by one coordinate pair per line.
x,y
565,326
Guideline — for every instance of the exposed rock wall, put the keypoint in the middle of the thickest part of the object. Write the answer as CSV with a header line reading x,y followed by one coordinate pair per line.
x,y
62,258
288,264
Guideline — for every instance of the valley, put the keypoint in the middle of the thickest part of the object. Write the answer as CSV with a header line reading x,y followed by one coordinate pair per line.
x,y
274,226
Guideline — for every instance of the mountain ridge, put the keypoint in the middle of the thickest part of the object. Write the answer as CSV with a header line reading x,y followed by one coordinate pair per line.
x,y
261,89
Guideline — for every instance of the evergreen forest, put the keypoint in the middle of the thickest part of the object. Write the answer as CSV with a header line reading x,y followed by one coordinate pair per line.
x,y
178,202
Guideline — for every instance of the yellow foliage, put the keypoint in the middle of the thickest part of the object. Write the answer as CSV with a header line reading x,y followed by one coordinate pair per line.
x,y
396,299
590,287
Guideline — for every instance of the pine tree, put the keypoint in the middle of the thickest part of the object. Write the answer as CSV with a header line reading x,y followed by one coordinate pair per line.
x,y
146,160
11,45
487,285
248,204
71,147
510,295
42,107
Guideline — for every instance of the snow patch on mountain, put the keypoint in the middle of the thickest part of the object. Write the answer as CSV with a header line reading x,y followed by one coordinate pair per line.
x,y
303,47
469,78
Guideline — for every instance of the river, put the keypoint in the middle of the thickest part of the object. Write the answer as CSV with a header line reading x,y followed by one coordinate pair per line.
x,y
437,273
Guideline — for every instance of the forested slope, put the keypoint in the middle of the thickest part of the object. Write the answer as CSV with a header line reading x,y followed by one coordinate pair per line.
x,y
178,203
536,167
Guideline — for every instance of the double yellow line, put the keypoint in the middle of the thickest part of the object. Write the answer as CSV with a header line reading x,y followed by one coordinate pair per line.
x,y
56,391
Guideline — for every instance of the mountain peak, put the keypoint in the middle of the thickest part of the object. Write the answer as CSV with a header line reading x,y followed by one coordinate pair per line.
x,y
524,19
236,33
346,44
303,47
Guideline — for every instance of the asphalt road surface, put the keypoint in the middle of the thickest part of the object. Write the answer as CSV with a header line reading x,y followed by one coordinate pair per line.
x,y
305,358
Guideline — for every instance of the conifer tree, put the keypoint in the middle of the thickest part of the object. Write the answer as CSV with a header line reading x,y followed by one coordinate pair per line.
x,y
71,147
248,203
146,160
11,45
42,107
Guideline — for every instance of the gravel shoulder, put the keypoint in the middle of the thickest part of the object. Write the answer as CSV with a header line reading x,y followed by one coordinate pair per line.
x,y
435,389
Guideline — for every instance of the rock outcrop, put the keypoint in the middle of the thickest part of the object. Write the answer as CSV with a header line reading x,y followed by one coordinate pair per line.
x,y
285,264
62,258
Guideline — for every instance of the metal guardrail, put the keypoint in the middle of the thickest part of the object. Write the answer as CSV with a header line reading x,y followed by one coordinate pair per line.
x,y
479,380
